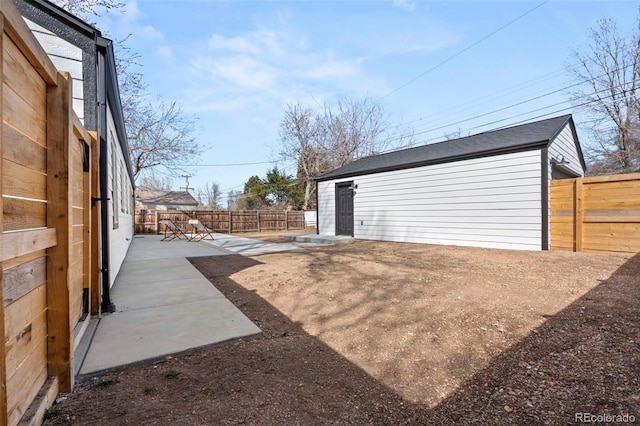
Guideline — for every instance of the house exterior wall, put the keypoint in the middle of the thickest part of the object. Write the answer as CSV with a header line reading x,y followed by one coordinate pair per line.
x,y
564,145
121,206
493,202
66,57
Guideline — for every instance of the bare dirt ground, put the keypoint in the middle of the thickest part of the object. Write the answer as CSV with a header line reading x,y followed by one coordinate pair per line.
x,y
389,333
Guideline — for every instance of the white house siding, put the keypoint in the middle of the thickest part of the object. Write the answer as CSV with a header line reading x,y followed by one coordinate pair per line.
x,y
492,202
564,146
66,57
121,194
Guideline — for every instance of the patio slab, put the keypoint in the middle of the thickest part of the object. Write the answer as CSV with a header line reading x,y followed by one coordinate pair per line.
x,y
164,306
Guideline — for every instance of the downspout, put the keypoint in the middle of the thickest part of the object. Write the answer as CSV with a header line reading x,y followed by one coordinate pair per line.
x,y
107,304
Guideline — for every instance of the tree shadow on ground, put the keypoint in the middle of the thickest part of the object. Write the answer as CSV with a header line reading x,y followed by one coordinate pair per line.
x,y
584,359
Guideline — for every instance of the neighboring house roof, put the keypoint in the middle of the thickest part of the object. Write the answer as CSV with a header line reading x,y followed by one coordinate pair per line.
x,y
524,137
154,196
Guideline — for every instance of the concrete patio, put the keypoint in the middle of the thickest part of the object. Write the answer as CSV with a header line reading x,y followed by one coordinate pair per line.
x,y
165,306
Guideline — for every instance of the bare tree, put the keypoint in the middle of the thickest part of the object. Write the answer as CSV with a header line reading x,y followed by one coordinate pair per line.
x,y
210,197
89,7
161,137
610,68
302,140
151,181
340,134
234,200
356,129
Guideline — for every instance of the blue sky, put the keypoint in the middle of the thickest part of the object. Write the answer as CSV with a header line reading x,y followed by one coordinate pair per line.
x,y
433,65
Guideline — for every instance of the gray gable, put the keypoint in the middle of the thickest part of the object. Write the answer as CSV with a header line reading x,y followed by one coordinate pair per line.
x,y
524,137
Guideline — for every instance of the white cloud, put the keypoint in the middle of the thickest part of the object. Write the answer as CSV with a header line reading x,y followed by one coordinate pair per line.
x,y
165,52
267,66
333,70
150,33
257,43
404,4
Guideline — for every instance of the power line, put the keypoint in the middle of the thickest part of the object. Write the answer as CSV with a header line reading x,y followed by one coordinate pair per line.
x,y
440,127
424,141
450,58
226,164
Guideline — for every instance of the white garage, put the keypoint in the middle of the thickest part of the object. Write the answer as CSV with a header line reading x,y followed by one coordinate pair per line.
x,y
486,190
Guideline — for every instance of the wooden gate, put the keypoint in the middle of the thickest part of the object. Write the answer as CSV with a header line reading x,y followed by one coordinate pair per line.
x,y
596,214
45,224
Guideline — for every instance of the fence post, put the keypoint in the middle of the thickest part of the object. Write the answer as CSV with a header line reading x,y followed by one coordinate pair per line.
x,y
286,220
157,224
3,355
59,214
230,221
259,221
579,215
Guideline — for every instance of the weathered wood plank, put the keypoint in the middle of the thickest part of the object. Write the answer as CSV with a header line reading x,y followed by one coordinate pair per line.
x,y
43,400
20,181
17,261
23,214
60,342
579,215
612,178
21,149
3,356
19,74
21,279
21,35
26,383
25,115
20,343
14,244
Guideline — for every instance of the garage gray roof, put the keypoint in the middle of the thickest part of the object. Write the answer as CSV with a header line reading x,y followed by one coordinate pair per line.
x,y
524,137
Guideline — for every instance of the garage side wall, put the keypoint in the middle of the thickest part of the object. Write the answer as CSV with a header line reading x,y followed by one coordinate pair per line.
x,y
564,146
492,202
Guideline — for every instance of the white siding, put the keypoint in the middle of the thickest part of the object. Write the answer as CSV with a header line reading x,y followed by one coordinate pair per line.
x,y
121,195
486,202
66,57
564,146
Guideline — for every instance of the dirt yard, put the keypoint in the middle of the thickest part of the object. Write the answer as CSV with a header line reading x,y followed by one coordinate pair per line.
x,y
390,333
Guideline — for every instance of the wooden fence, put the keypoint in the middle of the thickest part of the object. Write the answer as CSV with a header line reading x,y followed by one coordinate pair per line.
x,y
223,221
46,220
597,214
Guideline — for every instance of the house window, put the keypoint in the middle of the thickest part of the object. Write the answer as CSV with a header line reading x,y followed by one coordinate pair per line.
x,y
122,189
114,183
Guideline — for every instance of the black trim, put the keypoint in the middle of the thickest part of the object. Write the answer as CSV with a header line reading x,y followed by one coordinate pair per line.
x,y
112,98
107,304
522,148
544,180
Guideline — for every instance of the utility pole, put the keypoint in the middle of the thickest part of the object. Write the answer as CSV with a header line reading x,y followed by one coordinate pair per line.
x,y
186,187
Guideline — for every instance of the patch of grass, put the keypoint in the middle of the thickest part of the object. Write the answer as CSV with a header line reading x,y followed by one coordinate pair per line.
x,y
105,382
172,374
51,412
